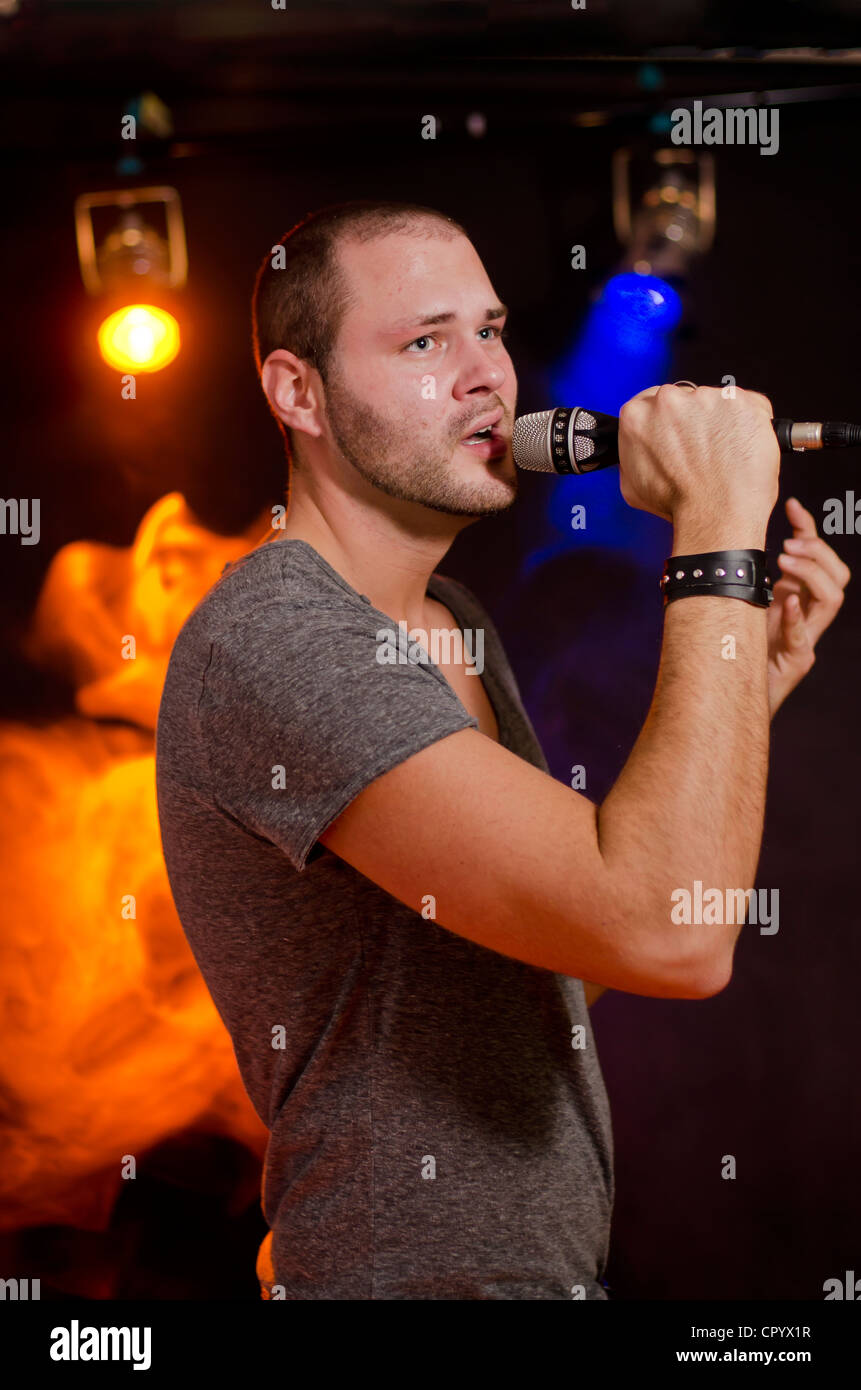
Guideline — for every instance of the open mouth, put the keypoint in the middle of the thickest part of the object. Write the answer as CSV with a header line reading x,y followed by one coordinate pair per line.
x,y
487,439
487,443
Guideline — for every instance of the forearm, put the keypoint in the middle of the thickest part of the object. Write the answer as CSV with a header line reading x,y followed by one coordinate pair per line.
x,y
690,801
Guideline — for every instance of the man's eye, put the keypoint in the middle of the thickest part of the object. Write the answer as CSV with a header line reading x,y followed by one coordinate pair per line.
x,y
497,332
425,338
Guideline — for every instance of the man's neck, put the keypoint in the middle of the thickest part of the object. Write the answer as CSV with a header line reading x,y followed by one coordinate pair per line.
x,y
377,556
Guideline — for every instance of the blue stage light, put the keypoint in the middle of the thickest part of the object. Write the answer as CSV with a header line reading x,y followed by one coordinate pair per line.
x,y
642,299
625,346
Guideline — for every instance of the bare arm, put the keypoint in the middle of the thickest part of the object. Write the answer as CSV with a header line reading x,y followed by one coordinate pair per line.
x,y
695,812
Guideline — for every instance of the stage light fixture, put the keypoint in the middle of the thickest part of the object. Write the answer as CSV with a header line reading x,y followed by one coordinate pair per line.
x,y
134,255
663,208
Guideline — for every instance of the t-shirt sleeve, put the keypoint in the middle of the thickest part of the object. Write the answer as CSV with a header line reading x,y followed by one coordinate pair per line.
x,y
301,711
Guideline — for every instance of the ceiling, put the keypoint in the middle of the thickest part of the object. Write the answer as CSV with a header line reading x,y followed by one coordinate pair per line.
x,y
241,72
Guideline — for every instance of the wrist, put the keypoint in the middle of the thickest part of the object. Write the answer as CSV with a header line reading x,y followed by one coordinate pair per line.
x,y
697,535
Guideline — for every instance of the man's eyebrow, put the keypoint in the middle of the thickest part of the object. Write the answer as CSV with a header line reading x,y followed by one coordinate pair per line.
x,y
498,311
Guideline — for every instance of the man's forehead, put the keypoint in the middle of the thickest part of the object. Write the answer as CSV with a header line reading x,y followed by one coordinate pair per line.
x,y
404,274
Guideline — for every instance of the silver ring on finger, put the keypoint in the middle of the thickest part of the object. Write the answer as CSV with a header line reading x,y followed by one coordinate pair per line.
x,y
692,384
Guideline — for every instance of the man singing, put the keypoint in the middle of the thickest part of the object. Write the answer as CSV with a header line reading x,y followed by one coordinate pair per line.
x,y
401,916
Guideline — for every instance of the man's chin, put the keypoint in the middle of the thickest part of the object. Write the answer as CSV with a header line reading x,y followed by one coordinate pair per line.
x,y
479,501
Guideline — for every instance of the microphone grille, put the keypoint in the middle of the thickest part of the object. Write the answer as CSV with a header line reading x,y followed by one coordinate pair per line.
x,y
530,442
584,447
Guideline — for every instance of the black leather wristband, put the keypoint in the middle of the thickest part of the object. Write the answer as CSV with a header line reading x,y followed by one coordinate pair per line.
x,y
726,573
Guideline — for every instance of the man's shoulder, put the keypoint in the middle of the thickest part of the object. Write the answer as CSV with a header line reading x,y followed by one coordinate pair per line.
x,y
270,571
266,587
278,621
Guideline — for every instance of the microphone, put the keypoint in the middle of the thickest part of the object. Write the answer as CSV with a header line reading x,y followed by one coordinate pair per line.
x,y
570,439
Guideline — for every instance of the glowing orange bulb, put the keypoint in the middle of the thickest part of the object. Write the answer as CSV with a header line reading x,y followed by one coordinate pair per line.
x,y
139,338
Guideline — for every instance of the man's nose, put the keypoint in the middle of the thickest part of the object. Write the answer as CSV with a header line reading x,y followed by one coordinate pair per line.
x,y
478,372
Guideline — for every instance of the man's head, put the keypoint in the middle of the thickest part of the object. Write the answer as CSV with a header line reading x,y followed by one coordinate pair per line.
x,y
377,336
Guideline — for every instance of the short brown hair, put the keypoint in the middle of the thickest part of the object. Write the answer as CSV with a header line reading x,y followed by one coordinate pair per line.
x,y
301,304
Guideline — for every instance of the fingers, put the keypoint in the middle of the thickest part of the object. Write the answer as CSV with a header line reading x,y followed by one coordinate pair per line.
x,y
826,594
754,398
786,586
813,576
796,636
815,548
802,521
806,544
821,584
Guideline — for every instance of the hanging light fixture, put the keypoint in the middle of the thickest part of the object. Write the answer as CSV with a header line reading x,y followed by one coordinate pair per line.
x,y
663,208
132,260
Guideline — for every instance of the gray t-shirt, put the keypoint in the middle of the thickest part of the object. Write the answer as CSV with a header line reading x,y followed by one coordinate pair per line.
x,y
435,1131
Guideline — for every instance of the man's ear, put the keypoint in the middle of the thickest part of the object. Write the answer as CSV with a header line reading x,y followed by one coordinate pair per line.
x,y
294,391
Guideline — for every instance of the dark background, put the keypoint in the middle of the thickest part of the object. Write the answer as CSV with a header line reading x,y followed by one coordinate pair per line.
x,y
278,113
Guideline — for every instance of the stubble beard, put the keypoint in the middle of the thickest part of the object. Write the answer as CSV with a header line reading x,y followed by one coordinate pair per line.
x,y
393,458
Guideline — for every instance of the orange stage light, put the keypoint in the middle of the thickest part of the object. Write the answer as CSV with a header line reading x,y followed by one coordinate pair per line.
x,y
139,338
